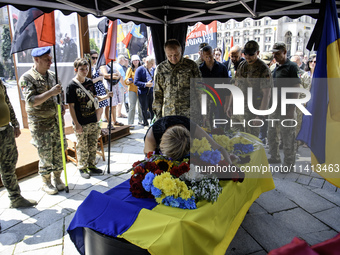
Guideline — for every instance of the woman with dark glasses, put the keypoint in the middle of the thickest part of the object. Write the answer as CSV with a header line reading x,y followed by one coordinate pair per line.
x,y
97,79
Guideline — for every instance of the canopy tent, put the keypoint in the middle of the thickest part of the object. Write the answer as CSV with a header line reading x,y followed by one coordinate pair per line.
x,y
170,18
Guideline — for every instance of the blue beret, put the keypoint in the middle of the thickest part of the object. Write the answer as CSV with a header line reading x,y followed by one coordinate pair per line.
x,y
38,52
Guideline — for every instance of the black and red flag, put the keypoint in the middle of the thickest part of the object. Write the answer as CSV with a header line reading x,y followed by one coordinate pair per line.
x,y
33,29
136,38
109,46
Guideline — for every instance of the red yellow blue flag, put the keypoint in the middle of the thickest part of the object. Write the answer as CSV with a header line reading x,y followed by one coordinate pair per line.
x,y
320,131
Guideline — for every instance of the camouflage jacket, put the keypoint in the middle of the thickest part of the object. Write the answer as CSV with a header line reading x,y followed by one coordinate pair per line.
x,y
172,87
12,118
256,76
43,116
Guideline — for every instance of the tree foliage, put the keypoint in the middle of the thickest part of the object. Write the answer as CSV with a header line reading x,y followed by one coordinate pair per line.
x,y
6,44
93,45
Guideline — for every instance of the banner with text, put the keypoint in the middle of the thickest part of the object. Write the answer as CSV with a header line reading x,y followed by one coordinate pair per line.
x,y
201,33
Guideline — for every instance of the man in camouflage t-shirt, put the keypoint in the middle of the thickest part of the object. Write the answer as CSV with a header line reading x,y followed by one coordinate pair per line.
x,y
172,83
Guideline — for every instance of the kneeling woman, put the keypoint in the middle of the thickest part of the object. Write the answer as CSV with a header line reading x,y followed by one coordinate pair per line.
x,y
172,135
80,96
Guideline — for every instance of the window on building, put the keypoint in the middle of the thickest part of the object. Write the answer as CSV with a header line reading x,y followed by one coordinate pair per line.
x,y
268,39
257,23
267,21
268,31
257,39
288,41
267,48
256,31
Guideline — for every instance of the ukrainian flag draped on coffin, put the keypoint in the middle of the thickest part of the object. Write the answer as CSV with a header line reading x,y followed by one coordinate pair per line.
x,y
320,131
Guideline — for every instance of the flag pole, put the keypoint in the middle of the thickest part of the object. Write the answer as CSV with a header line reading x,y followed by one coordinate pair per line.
x,y
110,121
60,123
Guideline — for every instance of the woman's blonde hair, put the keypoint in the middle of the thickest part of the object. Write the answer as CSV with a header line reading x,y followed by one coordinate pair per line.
x,y
175,142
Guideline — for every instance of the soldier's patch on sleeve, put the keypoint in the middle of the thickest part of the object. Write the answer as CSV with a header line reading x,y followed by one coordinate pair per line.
x,y
23,84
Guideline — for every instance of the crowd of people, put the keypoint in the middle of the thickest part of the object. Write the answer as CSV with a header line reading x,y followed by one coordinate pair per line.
x,y
158,92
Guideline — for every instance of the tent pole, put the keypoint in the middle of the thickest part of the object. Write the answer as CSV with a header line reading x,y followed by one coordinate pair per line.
x,y
165,28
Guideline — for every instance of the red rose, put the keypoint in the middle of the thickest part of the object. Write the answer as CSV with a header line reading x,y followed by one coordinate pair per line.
x,y
137,189
136,163
149,155
158,172
175,171
137,178
139,170
151,166
184,167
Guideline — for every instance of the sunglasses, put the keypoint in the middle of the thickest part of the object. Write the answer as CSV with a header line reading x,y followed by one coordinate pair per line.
x,y
313,61
94,58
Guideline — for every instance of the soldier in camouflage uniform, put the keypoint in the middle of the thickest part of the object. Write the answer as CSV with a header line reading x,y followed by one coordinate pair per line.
x,y
83,113
9,152
252,73
172,83
285,75
40,91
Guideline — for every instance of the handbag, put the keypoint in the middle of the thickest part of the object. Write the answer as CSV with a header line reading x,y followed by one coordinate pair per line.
x,y
93,99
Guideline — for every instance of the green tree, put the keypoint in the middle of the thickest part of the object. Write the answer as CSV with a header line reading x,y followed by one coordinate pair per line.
x,y
2,73
93,45
6,52
6,43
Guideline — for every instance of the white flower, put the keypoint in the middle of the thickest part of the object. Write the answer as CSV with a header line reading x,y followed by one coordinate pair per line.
x,y
192,175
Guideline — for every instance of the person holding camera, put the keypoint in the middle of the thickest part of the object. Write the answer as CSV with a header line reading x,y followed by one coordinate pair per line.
x,y
133,91
83,101
144,81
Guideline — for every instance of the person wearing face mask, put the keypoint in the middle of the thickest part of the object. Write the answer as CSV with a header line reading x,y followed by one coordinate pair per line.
x,y
172,83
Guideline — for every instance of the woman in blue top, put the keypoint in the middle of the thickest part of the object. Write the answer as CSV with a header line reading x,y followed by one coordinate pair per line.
x,y
144,81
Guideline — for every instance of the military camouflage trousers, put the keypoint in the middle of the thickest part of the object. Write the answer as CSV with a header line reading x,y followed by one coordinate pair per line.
x,y
8,160
287,137
49,149
240,123
87,145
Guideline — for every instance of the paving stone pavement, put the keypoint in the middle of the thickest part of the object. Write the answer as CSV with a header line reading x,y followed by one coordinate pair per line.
x,y
303,204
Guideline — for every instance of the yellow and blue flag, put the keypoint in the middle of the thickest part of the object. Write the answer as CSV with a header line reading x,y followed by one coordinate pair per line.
x,y
320,130
209,229
120,32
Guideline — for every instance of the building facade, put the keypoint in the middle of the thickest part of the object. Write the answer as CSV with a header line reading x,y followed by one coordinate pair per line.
x,y
266,31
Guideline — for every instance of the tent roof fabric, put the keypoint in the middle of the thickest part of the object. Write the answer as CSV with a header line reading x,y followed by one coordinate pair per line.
x,y
176,11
